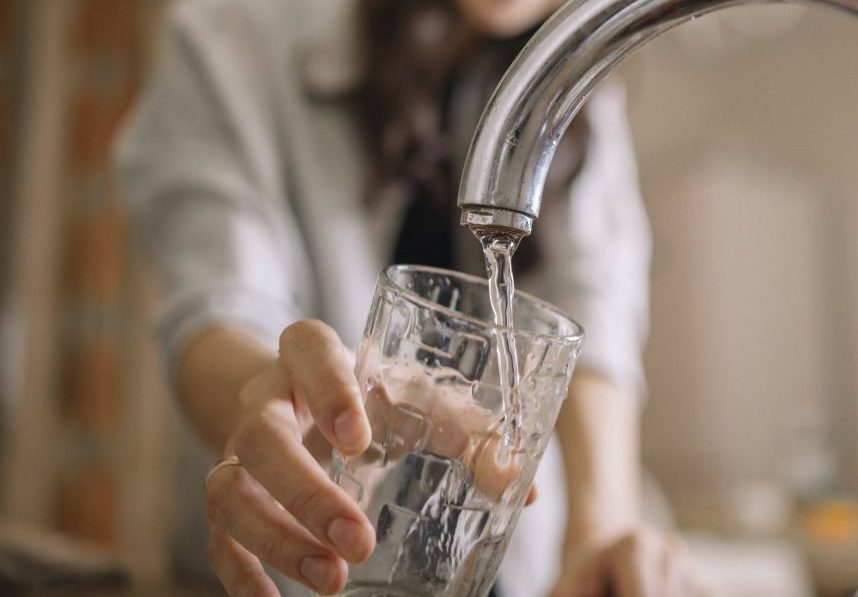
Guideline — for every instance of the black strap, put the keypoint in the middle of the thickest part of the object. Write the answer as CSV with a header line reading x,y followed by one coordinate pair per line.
x,y
426,236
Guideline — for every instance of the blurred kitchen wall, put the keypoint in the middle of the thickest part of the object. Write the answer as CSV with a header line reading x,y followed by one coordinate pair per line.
x,y
5,103
746,124
85,418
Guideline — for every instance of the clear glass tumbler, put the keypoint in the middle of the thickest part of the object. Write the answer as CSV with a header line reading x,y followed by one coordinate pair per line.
x,y
444,479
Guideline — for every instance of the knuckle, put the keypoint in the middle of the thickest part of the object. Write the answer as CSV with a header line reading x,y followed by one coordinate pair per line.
x,y
266,385
249,393
327,387
257,436
303,333
244,583
629,543
218,508
275,549
250,440
304,502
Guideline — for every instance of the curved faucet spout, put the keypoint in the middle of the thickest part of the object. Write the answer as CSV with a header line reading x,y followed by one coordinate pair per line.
x,y
544,88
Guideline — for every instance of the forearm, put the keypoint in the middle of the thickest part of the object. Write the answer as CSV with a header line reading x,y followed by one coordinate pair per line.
x,y
599,433
212,370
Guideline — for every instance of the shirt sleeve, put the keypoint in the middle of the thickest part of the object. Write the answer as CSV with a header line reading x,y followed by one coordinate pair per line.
x,y
198,169
598,248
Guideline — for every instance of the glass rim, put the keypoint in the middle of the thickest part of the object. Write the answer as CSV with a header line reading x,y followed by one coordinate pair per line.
x,y
576,337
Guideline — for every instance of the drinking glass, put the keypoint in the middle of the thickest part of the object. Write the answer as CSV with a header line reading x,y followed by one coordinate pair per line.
x,y
453,453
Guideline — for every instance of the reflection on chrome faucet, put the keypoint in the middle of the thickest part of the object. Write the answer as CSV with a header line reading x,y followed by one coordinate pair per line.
x,y
544,88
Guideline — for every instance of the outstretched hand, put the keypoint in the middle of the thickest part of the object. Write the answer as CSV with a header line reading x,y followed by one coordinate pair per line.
x,y
272,500
642,563
279,506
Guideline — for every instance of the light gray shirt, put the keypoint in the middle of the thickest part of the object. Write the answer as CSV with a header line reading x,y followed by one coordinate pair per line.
x,y
243,174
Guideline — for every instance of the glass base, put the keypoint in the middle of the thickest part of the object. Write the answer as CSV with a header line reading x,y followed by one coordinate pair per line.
x,y
379,590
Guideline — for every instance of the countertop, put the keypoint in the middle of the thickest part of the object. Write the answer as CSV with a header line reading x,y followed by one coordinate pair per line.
x,y
149,590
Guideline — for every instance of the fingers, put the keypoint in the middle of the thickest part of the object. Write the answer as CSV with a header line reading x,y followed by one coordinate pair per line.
x,y
496,467
239,571
629,569
322,379
279,506
680,569
581,577
409,399
239,506
532,494
418,410
645,564
276,458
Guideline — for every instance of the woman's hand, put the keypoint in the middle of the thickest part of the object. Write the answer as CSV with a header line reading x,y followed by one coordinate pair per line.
x,y
279,506
642,563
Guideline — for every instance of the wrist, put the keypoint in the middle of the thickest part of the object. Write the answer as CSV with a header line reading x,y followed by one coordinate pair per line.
x,y
598,431
601,520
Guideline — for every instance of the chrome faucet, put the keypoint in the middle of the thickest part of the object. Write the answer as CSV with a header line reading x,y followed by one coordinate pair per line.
x,y
541,92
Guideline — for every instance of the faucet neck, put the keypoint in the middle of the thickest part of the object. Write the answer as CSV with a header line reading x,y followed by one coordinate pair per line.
x,y
546,85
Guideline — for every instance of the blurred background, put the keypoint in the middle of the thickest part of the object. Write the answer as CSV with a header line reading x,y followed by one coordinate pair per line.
x,y
747,134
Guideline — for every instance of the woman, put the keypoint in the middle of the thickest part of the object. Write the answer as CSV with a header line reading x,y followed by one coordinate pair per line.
x,y
284,151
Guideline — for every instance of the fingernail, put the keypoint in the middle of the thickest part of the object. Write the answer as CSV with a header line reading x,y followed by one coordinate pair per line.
x,y
319,572
349,538
350,430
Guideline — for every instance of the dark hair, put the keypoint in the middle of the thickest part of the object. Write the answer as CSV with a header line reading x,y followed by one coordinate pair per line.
x,y
414,52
